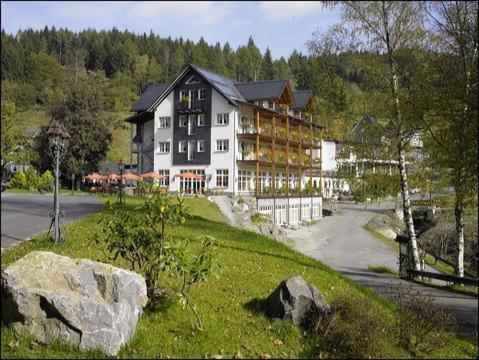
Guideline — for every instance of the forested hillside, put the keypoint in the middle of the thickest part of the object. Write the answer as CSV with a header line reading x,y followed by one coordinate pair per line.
x,y
38,66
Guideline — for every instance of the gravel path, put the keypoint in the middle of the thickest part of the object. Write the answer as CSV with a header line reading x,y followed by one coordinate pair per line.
x,y
25,216
341,242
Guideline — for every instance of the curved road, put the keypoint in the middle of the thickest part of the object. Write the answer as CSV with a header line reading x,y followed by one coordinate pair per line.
x,y
341,242
25,216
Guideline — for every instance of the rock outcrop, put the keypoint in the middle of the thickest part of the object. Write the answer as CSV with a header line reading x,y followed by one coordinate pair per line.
x,y
82,302
297,300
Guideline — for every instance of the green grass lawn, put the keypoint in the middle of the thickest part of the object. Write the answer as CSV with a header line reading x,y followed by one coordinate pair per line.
x,y
253,265
382,269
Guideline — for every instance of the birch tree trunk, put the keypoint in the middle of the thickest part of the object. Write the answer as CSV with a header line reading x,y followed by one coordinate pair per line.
x,y
408,220
397,119
458,210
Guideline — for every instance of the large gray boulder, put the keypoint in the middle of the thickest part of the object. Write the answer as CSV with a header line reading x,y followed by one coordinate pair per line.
x,y
82,302
297,300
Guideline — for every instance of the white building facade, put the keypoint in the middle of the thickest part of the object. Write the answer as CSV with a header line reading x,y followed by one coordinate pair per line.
x,y
243,139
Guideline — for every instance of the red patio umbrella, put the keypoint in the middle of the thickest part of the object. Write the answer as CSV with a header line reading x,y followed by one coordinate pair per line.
x,y
112,176
189,175
95,176
131,176
152,175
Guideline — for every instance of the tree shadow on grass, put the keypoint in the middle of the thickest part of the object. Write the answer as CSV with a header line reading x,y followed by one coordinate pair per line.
x,y
162,301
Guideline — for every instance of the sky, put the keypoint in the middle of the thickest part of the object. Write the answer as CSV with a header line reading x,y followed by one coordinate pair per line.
x,y
282,26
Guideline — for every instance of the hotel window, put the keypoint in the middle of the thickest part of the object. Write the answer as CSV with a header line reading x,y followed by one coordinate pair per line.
x,y
166,180
184,94
194,94
192,125
191,150
222,119
183,122
201,119
244,180
164,122
222,177
222,145
200,146
182,147
164,147
201,94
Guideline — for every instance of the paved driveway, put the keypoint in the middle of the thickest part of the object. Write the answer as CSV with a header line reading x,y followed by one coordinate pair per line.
x,y
25,216
340,242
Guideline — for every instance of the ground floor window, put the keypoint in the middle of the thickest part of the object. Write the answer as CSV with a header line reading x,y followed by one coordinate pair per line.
x,y
222,177
166,180
244,180
192,185
263,179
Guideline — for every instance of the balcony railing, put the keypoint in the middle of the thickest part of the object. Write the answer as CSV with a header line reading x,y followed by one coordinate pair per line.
x,y
191,106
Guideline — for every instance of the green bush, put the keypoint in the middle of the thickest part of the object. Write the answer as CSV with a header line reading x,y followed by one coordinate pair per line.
x,y
353,330
46,182
18,181
139,237
422,326
33,180
259,218
240,200
142,238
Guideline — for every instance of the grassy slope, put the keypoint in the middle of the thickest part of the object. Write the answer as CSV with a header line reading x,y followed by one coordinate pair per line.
x,y
253,265
119,148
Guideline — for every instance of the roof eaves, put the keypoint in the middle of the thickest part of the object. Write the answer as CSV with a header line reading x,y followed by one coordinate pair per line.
x,y
168,89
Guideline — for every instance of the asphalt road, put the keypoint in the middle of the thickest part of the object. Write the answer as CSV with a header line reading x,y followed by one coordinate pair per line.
x,y
341,242
25,216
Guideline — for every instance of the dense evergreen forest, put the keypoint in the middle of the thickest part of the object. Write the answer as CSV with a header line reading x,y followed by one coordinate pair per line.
x,y
37,67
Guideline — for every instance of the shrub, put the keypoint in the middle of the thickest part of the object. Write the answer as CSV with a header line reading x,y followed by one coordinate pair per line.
x,y
46,182
353,330
421,326
33,180
192,268
240,200
18,181
139,236
259,218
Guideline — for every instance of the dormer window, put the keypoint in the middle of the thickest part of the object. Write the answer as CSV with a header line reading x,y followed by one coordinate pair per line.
x,y
192,80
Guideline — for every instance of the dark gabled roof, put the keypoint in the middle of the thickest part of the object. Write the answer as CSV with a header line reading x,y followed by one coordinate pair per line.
x,y
222,84
301,99
360,127
262,90
225,86
366,120
149,96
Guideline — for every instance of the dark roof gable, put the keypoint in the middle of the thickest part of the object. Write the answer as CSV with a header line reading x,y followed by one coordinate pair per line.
x,y
262,90
301,99
148,97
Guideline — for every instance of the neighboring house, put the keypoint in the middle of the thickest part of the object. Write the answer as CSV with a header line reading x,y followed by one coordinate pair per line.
x,y
340,161
242,138
11,167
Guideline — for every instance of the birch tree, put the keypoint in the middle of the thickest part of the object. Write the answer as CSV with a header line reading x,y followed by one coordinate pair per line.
x,y
387,28
452,117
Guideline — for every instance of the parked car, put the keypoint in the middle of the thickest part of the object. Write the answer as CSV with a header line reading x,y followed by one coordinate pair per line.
x,y
3,186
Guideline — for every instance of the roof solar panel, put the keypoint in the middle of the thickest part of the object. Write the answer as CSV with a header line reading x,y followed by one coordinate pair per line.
x,y
211,76
225,89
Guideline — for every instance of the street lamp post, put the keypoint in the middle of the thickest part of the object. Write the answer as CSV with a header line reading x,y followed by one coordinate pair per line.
x,y
57,141
120,199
